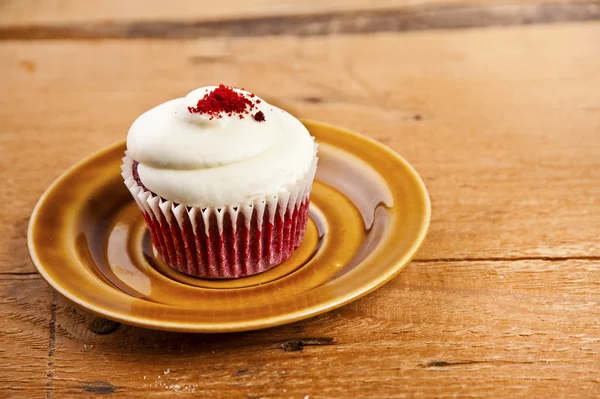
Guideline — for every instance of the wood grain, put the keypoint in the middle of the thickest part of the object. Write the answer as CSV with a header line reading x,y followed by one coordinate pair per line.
x,y
26,336
510,160
470,329
502,123
405,19
56,12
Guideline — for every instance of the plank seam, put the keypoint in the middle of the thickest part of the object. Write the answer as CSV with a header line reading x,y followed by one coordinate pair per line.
x,y
51,348
415,18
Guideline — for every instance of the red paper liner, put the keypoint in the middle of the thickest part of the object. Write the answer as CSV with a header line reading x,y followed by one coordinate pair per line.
x,y
225,242
236,252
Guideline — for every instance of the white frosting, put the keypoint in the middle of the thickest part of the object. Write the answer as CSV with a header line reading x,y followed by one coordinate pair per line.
x,y
189,159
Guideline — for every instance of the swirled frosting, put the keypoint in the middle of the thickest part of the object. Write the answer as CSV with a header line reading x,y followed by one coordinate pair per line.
x,y
191,159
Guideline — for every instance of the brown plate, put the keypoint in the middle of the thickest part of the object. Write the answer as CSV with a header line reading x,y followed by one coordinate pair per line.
x,y
369,214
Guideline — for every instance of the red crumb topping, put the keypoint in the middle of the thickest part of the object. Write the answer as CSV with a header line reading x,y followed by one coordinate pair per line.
x,y
225,101
259,116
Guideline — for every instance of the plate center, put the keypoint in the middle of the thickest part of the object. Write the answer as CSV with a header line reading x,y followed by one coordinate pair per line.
x,y
334,236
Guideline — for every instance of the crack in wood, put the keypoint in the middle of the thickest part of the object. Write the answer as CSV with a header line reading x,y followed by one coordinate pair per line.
x,y
17,278
298,344
438,363
240,372
6,276
18,273
27,275
415,18
99,387
51,347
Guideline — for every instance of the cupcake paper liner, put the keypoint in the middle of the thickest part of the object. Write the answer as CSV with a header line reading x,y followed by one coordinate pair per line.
x,y
230,241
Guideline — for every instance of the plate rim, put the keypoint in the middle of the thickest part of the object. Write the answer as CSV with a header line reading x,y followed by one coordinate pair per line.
x,y
237,326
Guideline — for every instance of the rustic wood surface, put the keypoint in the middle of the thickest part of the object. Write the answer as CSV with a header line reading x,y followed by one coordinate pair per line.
x,y
496,104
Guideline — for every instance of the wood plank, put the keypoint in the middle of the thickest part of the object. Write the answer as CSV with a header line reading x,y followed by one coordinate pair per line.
x,y
31,12
502,300
502,127
26,356
421,17
469,329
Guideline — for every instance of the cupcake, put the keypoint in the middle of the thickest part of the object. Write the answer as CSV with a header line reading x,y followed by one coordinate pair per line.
x,y
223,180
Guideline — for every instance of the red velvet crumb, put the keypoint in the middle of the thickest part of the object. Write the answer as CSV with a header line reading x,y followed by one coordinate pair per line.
x,y
259,116
223,100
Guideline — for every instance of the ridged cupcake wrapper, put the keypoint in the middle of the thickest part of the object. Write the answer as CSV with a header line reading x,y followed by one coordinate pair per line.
x,y
225,242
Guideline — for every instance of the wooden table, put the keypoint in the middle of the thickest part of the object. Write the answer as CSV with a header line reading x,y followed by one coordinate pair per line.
x,y
497,105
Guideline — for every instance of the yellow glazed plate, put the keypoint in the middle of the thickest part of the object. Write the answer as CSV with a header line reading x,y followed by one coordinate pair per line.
x,y
369,215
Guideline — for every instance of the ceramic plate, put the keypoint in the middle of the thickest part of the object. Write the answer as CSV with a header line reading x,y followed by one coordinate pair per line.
x,y
369,214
